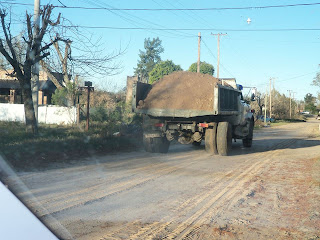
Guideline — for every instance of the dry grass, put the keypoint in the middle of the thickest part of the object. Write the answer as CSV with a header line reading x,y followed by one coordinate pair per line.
x,y
58,144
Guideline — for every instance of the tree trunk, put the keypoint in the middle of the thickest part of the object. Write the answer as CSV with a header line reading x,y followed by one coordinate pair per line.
x,y
25,83
31,124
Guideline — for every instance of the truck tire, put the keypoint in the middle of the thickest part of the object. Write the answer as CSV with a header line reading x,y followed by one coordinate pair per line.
x,y
147,144
211,139
247,142
196,144
224,138
156,145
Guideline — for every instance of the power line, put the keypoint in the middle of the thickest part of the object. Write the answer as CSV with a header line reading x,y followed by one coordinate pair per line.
x,y
176,9
211,53
130,18
287,79
199,29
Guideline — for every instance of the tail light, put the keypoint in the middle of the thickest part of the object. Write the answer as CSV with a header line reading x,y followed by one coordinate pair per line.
x,y
203,125
159,124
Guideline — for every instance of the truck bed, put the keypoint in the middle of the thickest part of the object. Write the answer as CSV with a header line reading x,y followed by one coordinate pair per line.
x,y
225,102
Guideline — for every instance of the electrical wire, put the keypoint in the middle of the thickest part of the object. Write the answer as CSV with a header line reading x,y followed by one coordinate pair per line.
x,y
226,70
200,29
134,19
176,9
287,79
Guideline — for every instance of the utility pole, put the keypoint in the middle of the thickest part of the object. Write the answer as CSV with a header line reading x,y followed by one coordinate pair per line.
x,y
270,111
199,41
89,88
290,91
295,109
35,67
265,108
218,34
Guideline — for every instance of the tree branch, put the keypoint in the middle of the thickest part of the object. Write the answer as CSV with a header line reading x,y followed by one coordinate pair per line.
x,y
39,58
47,46
56,46
13,53
6,54
50,74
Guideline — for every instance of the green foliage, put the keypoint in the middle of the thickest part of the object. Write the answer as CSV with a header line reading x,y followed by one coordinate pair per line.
x,y
65,96
310,101
309,98
60,97
205,68
149,58
99,114
161,69
310,107
121,114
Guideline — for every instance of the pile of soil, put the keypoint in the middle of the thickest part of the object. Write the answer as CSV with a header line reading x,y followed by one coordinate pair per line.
x,y
182,90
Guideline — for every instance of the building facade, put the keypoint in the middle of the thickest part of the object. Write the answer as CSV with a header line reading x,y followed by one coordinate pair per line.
x,y
10,89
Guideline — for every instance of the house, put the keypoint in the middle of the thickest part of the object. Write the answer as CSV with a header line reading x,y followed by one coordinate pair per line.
x,y
10,90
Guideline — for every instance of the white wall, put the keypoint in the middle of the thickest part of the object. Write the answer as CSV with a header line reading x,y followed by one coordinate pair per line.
x,y
47,114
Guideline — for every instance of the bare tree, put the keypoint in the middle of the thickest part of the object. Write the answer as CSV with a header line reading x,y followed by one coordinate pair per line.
x,y
36,49
63,58
80,56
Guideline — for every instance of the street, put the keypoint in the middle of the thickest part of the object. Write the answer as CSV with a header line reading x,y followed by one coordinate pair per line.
x,y
270,191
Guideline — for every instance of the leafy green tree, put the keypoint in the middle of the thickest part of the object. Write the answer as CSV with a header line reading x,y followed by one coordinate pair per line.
x,y
149,58
205,68
309,98
66,96
161,69
310,101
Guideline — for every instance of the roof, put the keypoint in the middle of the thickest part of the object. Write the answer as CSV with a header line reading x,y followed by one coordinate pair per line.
x,y
14,84
44,85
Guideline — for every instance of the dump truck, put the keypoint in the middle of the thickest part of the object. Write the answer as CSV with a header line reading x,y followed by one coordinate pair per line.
x,y
189,116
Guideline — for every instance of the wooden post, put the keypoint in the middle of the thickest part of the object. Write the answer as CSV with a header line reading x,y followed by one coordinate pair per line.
x,y
78,113
199,41
218,58
88,103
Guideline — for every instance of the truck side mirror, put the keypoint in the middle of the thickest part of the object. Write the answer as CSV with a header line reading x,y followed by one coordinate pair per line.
x,y
253,97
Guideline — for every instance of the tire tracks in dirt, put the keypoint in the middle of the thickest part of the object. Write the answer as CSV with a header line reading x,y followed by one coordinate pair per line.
x,y
59,196
215,206
221,193
95,196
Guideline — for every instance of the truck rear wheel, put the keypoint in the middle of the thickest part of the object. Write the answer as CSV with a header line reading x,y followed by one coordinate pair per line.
x,y
224,138
196,144
247,142
156,145
211,139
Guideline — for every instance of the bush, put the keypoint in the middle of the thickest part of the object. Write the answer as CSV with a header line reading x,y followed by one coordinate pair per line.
x,y
161,69
205,68
65,96
99,114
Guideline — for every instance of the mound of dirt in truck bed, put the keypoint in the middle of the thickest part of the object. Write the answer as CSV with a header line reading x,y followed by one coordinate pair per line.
x,y
182,90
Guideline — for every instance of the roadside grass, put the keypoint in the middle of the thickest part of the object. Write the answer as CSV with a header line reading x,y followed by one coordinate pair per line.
x,y
279,122
56,145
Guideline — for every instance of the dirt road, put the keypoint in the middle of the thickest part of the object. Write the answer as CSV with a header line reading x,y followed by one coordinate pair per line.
x,y
271,191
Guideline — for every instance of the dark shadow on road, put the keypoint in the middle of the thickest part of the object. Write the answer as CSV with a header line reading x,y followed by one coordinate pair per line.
x,y
260,145
266,145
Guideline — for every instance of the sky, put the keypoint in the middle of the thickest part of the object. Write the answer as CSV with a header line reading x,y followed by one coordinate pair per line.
x,y
269,47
